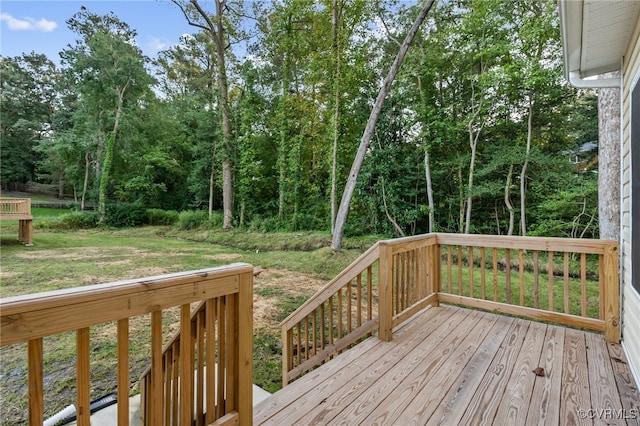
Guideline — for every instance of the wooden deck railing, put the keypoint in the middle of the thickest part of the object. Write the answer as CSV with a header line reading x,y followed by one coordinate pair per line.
x,y
225,311
568,281
19,209
344,312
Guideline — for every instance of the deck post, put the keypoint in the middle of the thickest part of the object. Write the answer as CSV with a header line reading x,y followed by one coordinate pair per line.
x,y
385,303
433,271
287,356
611,294
244,402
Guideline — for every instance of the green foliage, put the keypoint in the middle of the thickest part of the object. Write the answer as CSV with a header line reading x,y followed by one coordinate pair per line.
x,y
77,220
192,219
120,215
161,217
474,62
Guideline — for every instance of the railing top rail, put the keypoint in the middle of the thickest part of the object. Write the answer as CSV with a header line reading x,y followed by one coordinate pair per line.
x,y
42,314
404,244
573,245
350,272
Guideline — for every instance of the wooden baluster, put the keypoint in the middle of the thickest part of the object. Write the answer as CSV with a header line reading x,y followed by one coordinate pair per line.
x,y
340,316
601,282
449,273
175,390
222,350
459,270
495,274
330,320
298,344
369,293
483,268
348,307
470,271
583,284
507,260
186,366
314,340
306,337
536,283
550,285
521,270
359,296
396,283
200,344
323,324
123,372
233,341
212,344
566,282
35,388
167,366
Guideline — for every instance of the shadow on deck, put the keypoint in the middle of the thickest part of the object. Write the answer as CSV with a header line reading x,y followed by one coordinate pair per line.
x,y
451,365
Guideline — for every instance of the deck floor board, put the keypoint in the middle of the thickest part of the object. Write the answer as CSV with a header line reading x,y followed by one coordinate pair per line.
x,y
450,366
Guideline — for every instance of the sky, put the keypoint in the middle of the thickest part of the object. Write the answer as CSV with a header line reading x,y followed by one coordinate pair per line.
x,y
40,26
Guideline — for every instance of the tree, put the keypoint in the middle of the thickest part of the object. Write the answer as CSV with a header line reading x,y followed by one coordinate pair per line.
x,y
341,217
109,70
216,27
28,102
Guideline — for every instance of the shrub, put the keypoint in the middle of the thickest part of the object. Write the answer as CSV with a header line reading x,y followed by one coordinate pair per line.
x,y
192,219
125,214
161,217
78,220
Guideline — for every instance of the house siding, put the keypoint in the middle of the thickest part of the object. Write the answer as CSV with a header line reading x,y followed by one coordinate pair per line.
x,y
630,297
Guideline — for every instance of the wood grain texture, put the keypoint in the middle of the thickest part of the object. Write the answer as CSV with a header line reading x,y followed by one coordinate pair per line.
x,y
575,379
450,365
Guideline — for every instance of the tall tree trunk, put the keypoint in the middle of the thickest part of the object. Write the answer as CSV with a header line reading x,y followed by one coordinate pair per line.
x,y
341,217
108,156
609,161
282,146
217,32
523,173
227,173
473,144
85,184
427,173
335,22
474,135
507,200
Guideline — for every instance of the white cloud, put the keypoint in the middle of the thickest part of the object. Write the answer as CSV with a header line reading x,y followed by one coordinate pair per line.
x,y
28,24
156,45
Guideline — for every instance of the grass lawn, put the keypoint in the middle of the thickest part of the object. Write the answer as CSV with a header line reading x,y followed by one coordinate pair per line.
x,y
295,267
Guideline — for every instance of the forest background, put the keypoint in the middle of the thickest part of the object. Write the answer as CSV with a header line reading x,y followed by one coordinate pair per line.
x,y
479,133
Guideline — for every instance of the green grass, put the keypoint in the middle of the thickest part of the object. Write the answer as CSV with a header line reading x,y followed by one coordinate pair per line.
x,y
64,259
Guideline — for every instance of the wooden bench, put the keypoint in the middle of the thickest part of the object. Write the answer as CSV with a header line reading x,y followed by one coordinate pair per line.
x,y
19,209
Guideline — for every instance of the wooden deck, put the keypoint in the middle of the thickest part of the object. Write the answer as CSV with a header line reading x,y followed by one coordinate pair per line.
x,y
451,365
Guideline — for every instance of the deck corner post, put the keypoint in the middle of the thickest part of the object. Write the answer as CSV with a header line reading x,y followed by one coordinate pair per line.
x,y
385,309
244,401
611,296
287,358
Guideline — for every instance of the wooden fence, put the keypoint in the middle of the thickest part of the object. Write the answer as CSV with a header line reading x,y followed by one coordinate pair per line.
x,y
225,311
568,281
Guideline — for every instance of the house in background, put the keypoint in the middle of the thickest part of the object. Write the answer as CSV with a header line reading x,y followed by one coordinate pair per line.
x,y
600,37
